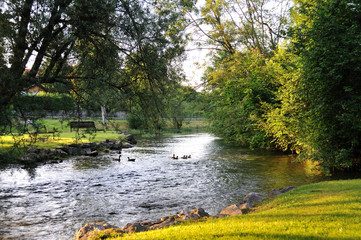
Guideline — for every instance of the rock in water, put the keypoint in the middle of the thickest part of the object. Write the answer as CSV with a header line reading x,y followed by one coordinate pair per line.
x,y
92,154
130,139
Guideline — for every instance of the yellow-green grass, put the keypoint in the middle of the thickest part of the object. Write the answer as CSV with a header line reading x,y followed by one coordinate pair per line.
x,y
326,210
63,136
60,138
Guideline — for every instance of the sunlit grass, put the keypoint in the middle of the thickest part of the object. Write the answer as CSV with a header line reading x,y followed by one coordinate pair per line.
x,y
59,139
63,135
327,210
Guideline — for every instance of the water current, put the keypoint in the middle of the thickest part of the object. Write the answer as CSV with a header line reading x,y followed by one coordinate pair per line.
x,y
53,201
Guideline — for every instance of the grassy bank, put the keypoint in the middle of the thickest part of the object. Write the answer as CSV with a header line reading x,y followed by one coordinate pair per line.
x,y
327,210
63,135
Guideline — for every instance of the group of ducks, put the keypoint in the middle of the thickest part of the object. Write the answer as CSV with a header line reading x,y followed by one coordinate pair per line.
x,y
120,154
133,159
184,157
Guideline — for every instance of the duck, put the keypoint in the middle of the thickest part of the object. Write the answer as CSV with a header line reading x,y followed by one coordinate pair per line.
x,y
117,159
174,157
184,157
189,156
131,159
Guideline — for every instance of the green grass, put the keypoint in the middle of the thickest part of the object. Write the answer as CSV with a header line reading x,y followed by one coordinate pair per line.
x,y
326,210
64,136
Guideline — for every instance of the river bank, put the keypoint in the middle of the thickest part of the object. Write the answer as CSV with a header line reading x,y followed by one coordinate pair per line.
x,y
325,210
101,230
59,134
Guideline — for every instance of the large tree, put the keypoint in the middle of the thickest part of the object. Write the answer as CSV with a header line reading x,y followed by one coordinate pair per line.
x,y
101,40
42,35
238,85
244,34
327,36
236,25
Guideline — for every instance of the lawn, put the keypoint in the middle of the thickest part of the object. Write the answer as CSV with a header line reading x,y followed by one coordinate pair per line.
x,y
64,136
326,210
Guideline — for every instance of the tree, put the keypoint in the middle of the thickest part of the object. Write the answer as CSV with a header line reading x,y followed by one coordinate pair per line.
x,y
183,102
245,35
152,70
237,25
44,33
100,38
282,119
326,36
239,84
99,72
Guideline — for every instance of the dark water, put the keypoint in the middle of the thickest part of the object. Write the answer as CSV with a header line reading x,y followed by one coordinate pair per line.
x,y
53,201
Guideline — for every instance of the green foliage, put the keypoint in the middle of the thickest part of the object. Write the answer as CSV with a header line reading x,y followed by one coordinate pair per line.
x,y
242,84
305,96
327,37
138,67
282,119
239,84
135,120
235,25
45,103
184,102
112,54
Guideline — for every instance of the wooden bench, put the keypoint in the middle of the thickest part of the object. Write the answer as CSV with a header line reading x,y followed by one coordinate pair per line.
x,y
83,124
45,131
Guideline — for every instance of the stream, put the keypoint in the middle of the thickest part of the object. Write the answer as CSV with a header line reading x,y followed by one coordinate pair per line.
x,y
53,201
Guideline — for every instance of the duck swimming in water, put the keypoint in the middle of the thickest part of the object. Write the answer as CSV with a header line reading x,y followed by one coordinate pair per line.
x,y
131,159
117,159
174,157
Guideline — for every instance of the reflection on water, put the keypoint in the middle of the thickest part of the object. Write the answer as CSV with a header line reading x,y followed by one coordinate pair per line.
x,y
54,200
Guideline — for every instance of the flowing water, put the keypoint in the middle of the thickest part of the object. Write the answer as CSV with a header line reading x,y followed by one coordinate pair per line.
x,y
53,201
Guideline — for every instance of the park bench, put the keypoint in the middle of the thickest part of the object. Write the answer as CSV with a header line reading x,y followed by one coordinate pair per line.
x,y
83,124
45,131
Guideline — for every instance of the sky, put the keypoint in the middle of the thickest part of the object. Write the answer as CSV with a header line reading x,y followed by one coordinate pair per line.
x,y
194,65
196,61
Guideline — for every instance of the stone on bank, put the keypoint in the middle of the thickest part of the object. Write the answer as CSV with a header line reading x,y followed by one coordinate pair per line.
x,y
233,210
39,155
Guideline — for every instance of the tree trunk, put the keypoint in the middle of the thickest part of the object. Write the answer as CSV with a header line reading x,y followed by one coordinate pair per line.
x,y
104,112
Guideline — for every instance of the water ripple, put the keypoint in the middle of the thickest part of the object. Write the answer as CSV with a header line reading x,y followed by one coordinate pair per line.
x,y
54,201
